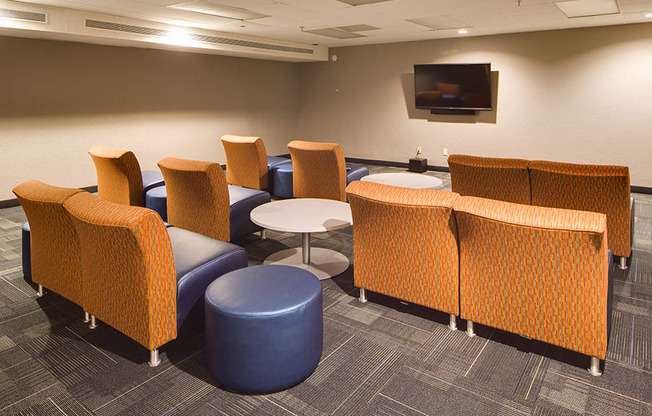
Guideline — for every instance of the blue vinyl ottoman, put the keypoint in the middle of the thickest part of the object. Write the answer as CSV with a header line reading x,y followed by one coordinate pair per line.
x,y
264,328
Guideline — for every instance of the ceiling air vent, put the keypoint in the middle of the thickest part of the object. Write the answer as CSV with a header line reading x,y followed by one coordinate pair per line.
x,y
23,15
219,40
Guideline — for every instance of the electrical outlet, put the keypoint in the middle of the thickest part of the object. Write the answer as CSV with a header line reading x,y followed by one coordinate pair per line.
x,y
445,151
418,150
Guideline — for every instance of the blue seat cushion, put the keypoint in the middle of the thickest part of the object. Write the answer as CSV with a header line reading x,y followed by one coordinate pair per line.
x,y
243,200
152,179
264,328
198,261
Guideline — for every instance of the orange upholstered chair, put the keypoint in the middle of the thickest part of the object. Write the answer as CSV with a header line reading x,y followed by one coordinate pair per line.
x,y
197,197
596,188
55,252
405,244
246,161
319,170
119,178
490,177
538,272
129,276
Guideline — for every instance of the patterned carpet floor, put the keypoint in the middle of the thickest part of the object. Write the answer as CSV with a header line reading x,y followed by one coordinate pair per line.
x,y
381,358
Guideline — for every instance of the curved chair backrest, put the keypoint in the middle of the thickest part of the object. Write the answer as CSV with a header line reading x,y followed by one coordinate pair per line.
x,y
55,252
119,178
405,244
197,196
596,188
246,161
535,271
129,279
319,170
490,177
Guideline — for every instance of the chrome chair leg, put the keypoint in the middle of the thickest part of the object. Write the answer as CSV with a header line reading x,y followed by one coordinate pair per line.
x,y
469,329
623,263
452,325
93,324
154,359
87,317
594,369
363,296
40,291
263,234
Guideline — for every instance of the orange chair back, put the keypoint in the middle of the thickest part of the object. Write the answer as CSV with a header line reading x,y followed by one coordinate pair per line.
x,y
55,251
535,271
319,170
596,188
405,244
490,177
197,196
246,161
119,178
129,279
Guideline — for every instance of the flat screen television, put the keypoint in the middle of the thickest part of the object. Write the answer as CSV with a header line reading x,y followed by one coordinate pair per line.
x,y
451,87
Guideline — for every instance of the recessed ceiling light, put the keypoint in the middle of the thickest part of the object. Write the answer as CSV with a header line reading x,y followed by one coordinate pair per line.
x,y
177,37
462,31
648,15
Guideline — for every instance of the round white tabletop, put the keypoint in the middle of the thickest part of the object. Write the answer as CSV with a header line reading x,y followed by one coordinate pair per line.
x,y
306,215
405,180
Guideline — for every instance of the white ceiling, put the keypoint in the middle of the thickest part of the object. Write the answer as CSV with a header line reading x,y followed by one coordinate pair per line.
x,y
396,20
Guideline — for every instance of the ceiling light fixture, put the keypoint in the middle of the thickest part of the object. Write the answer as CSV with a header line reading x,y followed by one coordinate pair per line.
x,y
462,31
177,37
648,15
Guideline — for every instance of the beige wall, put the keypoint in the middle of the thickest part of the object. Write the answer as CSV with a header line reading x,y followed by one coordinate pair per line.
x,y
582,96
59,99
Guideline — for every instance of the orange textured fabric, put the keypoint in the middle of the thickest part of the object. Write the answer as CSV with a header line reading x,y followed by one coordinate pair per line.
x,y
129,279
55,252
198,197
246,161
405,244
119,178
490,177
535,271
319,170
596,188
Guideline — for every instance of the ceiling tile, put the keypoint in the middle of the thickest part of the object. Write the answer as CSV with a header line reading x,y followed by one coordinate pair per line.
x,y
587,8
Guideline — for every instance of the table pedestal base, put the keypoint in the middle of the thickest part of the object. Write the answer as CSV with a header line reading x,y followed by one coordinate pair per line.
x,y
324,263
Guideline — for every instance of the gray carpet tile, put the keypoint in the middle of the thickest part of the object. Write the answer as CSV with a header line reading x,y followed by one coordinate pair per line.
x,y
385,357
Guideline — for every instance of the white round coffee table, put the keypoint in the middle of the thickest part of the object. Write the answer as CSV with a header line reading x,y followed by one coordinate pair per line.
x,y
404,180
306,216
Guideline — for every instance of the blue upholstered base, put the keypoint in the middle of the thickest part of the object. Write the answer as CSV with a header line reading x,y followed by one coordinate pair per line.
x,y
27,252
242,201
272,163
198,261
282,184
264,328
157,200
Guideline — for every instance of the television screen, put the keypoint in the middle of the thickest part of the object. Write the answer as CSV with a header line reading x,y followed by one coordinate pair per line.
x,y
453,86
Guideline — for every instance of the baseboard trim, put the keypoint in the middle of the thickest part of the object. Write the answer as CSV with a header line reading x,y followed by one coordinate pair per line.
x,y
9,203
641,189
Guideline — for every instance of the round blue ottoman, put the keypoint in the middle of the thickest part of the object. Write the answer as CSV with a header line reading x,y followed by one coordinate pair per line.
x,y
264,328
157,199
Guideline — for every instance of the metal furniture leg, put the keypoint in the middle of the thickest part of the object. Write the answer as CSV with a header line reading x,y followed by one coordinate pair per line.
x,y
469,329
453,323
